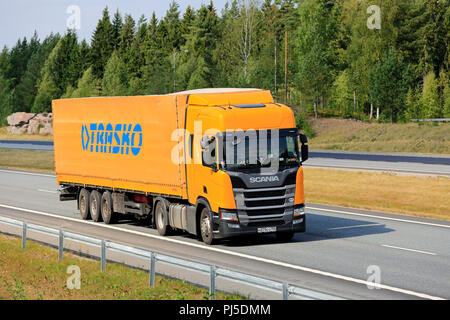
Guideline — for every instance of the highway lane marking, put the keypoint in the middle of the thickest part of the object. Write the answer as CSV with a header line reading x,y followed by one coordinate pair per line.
x,y
237,254
378,217
406,249
357,226
29,173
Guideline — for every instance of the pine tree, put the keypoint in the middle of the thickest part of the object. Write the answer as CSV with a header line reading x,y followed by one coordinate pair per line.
x,y
117,28
102,44
173,24
60,71
5,100
388,84
115,80
88,85
316,49
201,43
27,88
430,97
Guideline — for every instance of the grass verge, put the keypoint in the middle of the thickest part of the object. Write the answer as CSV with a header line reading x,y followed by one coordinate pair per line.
x,y
34,273
352,135
27,159
418,196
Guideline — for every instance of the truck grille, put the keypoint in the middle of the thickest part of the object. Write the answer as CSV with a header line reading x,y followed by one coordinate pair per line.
x,y
266,205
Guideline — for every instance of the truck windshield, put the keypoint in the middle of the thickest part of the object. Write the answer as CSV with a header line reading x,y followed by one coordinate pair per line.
x,y
257,149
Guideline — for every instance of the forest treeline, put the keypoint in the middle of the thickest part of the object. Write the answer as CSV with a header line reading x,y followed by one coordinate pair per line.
x,y
384,59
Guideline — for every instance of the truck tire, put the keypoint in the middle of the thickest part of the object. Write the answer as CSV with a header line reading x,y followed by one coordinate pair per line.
x,y
108,215
161,219
84,204
206,226
95,205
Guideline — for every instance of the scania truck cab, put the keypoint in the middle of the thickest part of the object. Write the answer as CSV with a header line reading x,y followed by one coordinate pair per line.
x,y
245,176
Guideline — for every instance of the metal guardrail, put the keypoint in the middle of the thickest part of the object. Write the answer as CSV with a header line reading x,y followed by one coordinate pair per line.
x,y
431,120
214,272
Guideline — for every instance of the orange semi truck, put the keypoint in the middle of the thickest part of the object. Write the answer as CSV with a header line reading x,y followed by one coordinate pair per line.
x,y
215,163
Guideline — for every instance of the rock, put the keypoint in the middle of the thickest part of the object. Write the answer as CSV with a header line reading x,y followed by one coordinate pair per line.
x,y
43,117
33,126
31,123
19,118
46,130
17,130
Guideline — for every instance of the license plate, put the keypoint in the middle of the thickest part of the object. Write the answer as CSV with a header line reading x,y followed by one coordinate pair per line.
x,y
267,229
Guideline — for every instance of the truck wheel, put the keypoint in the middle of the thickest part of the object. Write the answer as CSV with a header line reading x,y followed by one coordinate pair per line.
x,y
285,236
95,205
83,204
161,219
206,227
108,215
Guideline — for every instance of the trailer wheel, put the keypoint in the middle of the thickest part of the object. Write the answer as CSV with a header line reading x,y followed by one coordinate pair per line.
x,y
161,220
95,205
83,204
108,215
206,227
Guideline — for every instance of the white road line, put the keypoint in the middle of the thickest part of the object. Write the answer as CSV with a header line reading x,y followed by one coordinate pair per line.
x,y
237,254
357,226
47,191
379,217
29,173
406,249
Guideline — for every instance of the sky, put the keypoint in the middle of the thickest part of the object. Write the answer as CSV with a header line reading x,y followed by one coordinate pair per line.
x,y
20,18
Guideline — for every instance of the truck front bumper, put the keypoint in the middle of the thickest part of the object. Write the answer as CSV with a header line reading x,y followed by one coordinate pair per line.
x,y
225,229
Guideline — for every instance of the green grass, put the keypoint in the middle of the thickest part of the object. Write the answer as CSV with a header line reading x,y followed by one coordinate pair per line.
x,y
27,159
35,273
351,135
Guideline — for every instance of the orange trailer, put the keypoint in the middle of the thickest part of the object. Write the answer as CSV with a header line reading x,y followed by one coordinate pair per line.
x,y
213,162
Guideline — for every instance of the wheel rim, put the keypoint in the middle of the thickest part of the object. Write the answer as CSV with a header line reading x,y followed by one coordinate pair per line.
x,y
94,206
160,218
83,204
206,227
105,208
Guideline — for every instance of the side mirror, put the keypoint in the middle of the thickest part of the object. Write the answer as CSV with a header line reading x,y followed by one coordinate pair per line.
x,y
304,148
204,142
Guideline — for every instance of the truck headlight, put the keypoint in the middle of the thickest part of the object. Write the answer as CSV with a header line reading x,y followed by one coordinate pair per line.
x,y
228,215
299,211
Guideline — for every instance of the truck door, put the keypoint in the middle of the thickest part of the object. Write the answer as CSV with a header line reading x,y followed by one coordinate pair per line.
x,y
200,170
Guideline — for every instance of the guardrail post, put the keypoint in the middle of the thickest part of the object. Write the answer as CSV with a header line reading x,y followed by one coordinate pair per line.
x,y
212,282
24,235
285,291
103,261
61,245
152,269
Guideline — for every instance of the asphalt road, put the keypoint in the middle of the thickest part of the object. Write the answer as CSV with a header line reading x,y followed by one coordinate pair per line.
x,y
337,255
42,145
407,164
401,163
